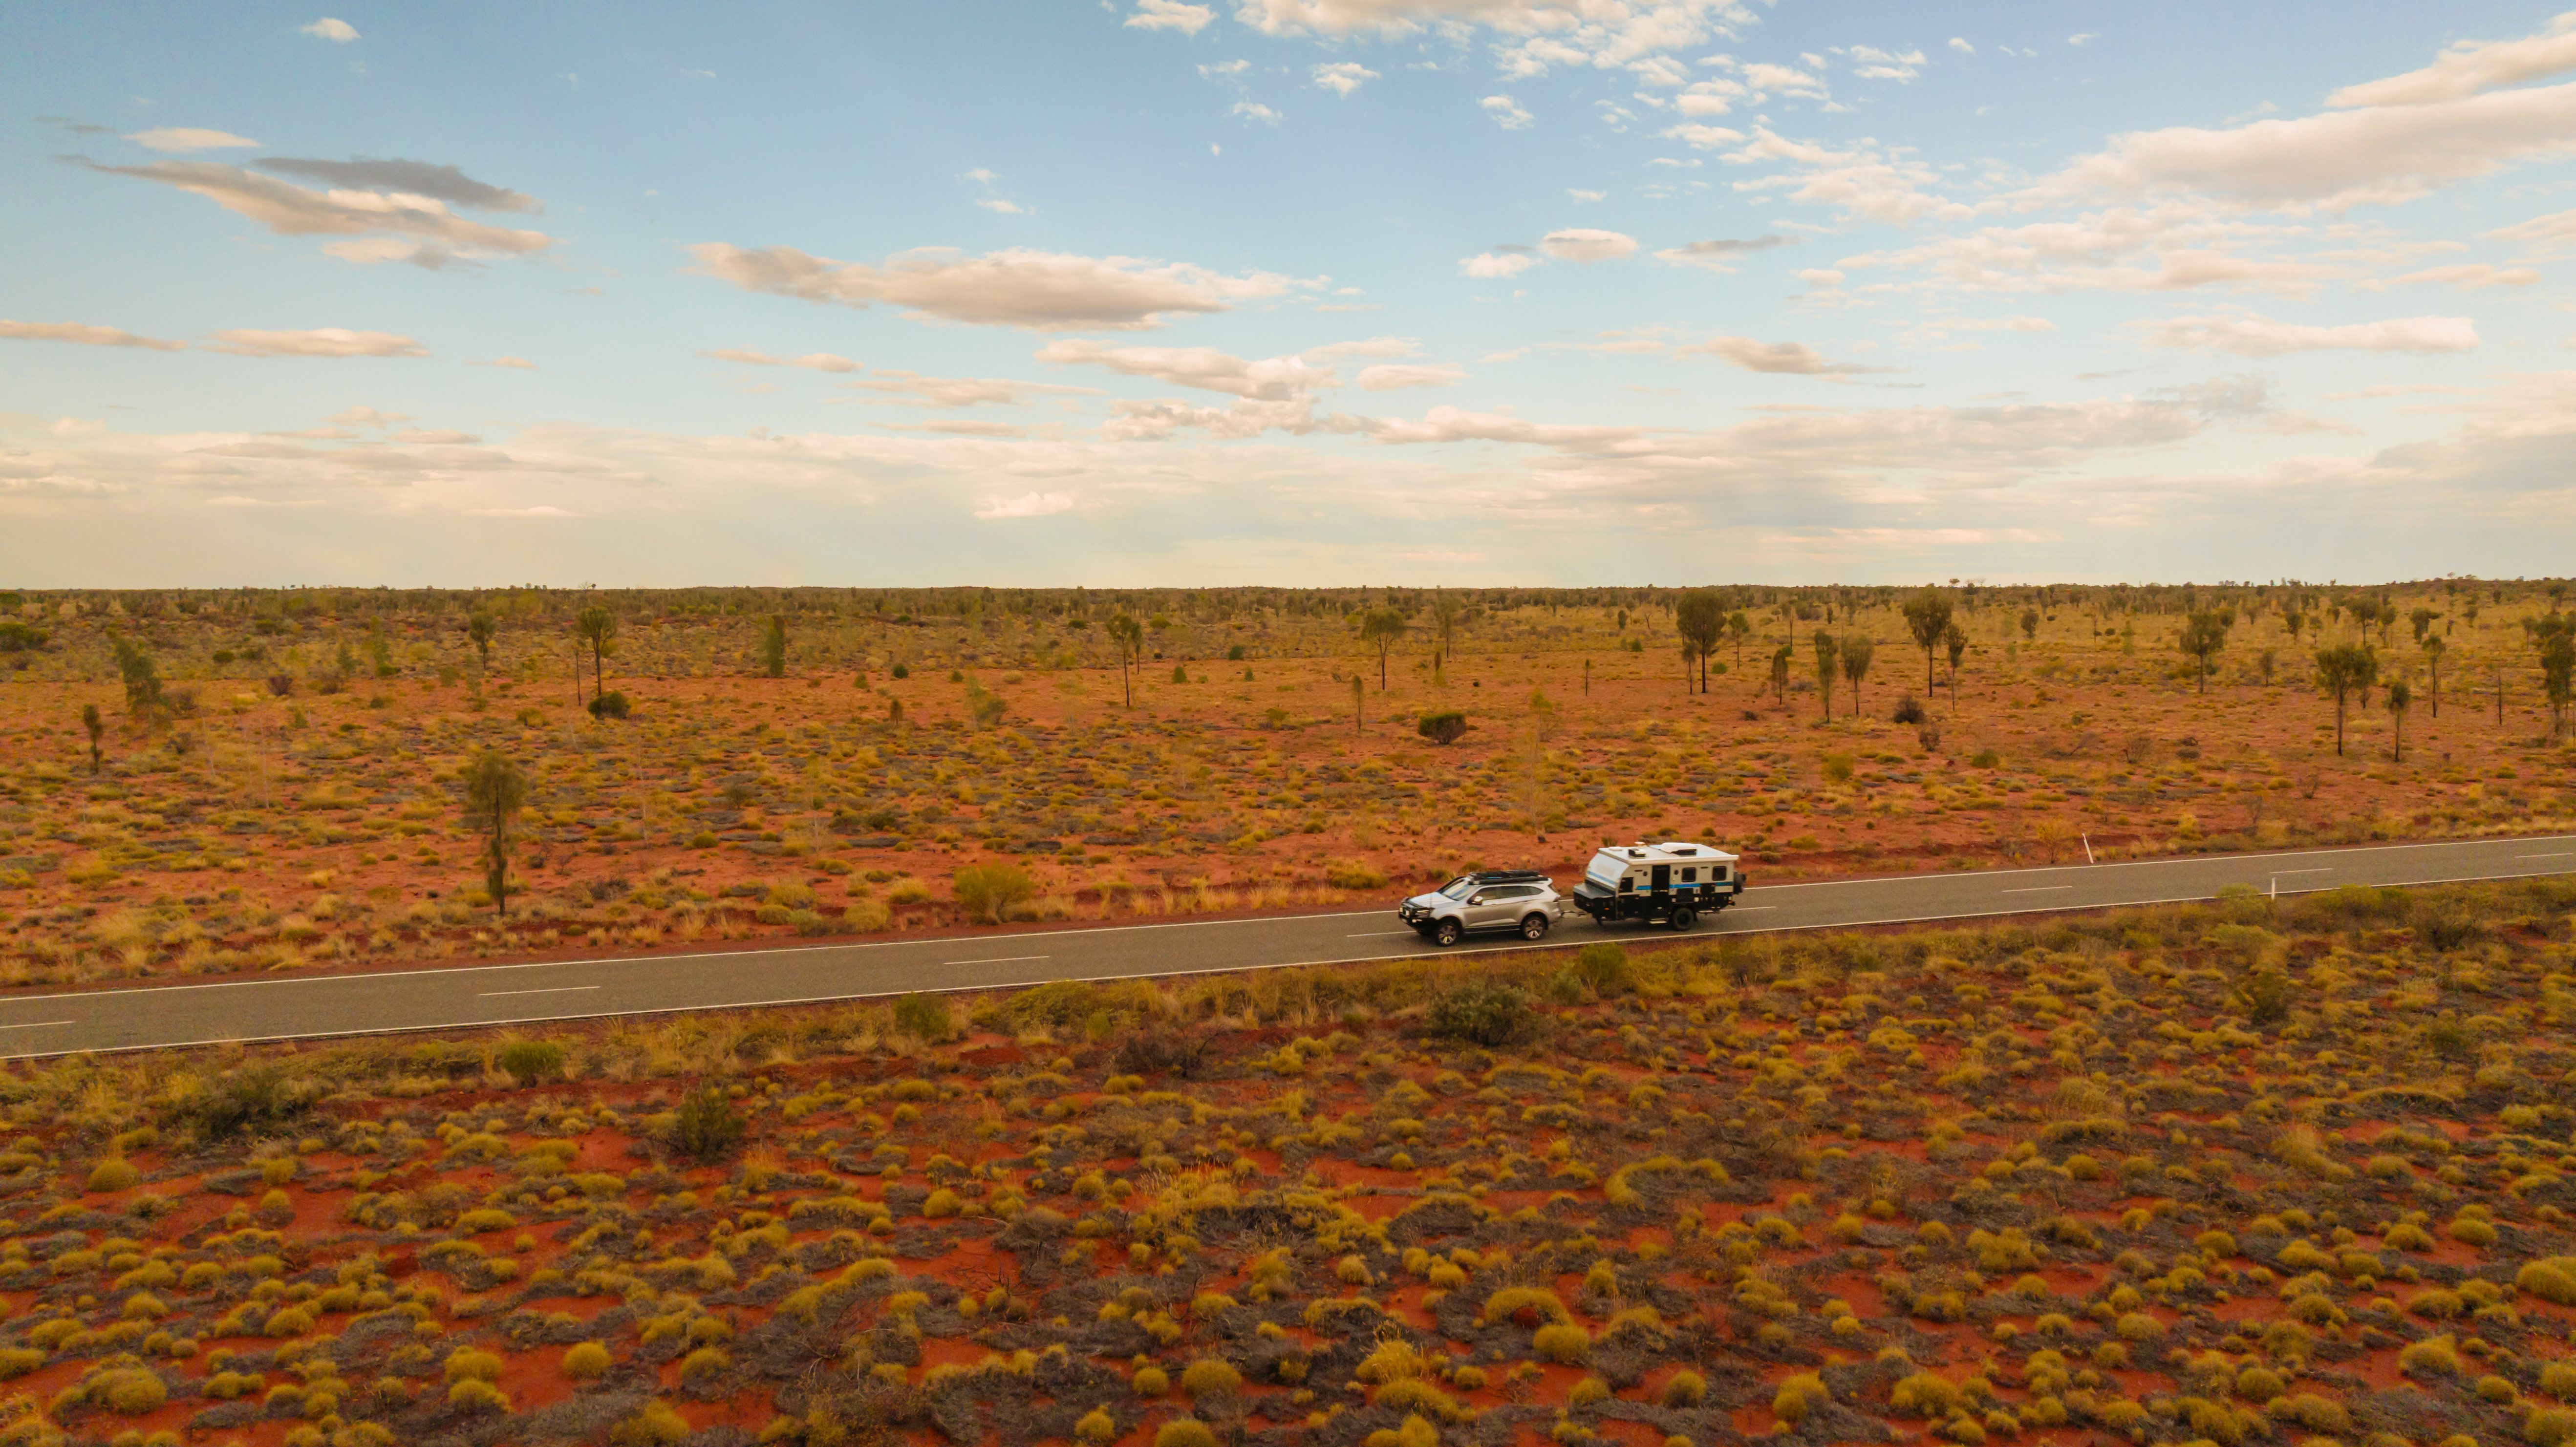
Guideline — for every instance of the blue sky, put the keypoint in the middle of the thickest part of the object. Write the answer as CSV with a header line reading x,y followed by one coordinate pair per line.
x,y
1283,291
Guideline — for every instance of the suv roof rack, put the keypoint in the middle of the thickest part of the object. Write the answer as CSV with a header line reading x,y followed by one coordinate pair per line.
x,y
1508,876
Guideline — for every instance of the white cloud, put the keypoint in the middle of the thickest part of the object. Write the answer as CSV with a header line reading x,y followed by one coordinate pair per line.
x,y
2174,245
1253,110
1390,376
397,226
319,342
2082,38
1002,207
1706,138
1790,358
85,335
2255,336
2338,159
1996,324
897,388
1367,347
1890,188
519,364
189,138
1039,290
1711,98
1494,266
1170,15
1584,196
1343,76
2551,231
1537,35
811,361
1871,63
2470,66
1506,112
337,31
1582,243
1274,379
1225,70
1713,255
365,416
435,437
2474,276
1028,505
1764,78
1961,46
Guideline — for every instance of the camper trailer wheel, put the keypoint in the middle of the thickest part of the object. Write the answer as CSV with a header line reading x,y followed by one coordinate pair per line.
x,y
1684,919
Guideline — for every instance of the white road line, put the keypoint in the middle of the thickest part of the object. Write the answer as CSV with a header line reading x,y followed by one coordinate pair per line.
x,y
39,1024
2040,889
1378,934
2306,871
549,990
1004,960
2571,855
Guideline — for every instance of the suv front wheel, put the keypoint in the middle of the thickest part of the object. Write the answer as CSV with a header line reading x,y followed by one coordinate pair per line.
x,y
1447,933
1534,927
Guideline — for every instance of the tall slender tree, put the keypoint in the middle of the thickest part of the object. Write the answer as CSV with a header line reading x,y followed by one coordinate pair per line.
x,y
2399,697
2343,670
1701,617
1381,629
773,646
1927,617
2434,648
1129,636
1954,640
96,727
480,630
1857,650
494,790
598,628
2203,635
1827,656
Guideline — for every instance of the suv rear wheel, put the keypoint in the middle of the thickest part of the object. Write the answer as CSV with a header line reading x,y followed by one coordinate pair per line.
x,y
1534,927
1447,933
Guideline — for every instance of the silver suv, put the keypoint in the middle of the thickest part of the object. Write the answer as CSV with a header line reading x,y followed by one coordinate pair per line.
x,y
1523,900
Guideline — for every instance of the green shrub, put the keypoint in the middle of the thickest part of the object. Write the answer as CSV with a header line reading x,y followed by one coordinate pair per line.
x,y
924,1017
1605,969
1353,874
114,1174
611,704
990,891
708,1128
1562,1341
528,1061
1444,727
18,1361
653,1425
585,1361
2552,1280
129,1390
255,1098
475,1394
1097,1427
1184,1432
468,1363
1485,1013
1209,1376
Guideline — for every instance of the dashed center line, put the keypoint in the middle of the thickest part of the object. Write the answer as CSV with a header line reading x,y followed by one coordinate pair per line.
x,y
38,1024
2040,889
1004,960
2563,854
2303,871
549,990
1378,934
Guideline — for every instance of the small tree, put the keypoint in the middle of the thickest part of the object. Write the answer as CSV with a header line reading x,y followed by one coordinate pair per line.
x,y
598,628
2558,676
2029,624
2434,648
97,729
708,1128
1359,695
1927,617
2399,696
1129,637
2422,618
2203,635
1781,659
494,790
2344,669
480,630
1443,728
1738,628
1827,655
1954,640
1856,656
1447,609
1701,618
142,677
1381,629
773,647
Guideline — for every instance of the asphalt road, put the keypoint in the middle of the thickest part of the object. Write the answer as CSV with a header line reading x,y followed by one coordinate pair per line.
x,y
461,996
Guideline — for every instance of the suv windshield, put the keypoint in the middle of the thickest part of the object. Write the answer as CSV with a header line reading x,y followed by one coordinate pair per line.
x,y
1459,888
